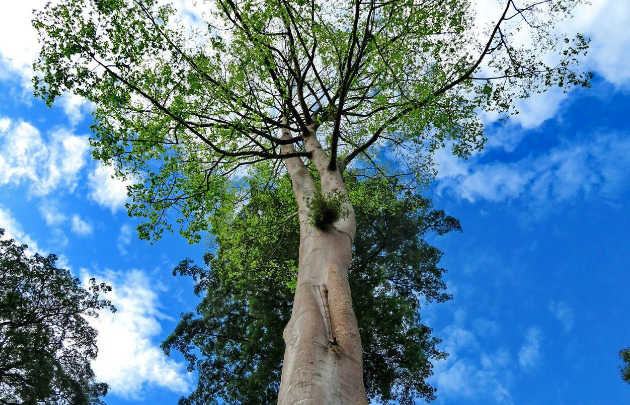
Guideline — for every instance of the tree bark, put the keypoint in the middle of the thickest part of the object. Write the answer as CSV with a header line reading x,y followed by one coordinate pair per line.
x,y
323,359
323,356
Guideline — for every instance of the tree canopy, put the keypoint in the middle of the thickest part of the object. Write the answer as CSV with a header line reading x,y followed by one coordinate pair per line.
x,y
234,340
183,109
46,343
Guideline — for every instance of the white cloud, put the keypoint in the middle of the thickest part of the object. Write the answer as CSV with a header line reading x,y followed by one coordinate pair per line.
x,y
606,23
51,214
5,123
450,166
529,355
13,230
17,56
75,107
15,23
53,217
22,149
107,190
46,164
18,38
538,108
124,239
488,378
506,137
457,379
494,182
563,313
80,227
596,166
128,359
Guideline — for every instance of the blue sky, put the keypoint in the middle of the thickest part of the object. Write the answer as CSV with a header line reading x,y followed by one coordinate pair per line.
x,y
540,274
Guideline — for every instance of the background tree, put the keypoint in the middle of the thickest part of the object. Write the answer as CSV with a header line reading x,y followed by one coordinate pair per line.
x,y
234,340
318,87
46,343
624,355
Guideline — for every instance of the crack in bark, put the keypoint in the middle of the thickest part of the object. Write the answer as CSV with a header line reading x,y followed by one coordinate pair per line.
x,y
325,310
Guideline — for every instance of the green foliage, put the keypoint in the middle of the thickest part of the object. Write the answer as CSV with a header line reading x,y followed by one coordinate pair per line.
x,y
250,231
181,109
234,340
624,355
46,343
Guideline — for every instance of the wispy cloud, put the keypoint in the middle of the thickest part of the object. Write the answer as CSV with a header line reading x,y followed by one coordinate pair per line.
x,y
129,359
563,313
75,107
58,240
124,239
80,227
470,372
51,214
596,166
529,355
45,164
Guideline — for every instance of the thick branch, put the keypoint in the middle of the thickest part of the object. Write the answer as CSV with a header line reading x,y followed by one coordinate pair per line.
x,y
272,72
183,122
301,178
414,106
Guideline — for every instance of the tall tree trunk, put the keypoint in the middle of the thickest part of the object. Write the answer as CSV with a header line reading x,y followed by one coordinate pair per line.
x,y
322,360
323,356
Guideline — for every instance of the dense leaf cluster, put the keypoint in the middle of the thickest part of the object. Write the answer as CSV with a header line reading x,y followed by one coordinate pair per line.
x,y
234,340
46,343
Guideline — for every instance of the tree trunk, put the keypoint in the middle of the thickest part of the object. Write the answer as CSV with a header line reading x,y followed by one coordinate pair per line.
x,y
323,356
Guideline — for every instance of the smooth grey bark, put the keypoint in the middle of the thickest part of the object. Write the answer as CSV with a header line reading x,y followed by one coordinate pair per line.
x,y
323,356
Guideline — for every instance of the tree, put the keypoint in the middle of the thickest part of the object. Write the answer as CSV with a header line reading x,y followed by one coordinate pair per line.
x,y
248,289
624,355
315,86
46,343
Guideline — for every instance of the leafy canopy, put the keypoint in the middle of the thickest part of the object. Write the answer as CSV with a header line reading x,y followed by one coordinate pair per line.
x,y
182,108
234,340
46,343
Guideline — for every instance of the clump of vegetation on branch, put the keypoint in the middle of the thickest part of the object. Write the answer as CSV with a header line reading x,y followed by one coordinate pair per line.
x,y
324,211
